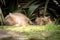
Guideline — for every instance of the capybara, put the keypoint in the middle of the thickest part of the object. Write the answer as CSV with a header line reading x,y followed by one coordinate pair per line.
x,y
17,19
43,20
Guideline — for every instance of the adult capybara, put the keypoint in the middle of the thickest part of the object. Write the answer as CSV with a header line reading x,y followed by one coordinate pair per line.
x,y
17,19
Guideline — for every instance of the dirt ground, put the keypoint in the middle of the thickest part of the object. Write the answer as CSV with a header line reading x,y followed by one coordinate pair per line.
x,y
9,35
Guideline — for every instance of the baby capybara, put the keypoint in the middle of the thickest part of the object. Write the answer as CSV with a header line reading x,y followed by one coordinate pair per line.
x,y
43,20
17,19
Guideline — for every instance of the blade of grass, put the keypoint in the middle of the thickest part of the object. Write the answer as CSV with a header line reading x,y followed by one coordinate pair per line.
x,y
32,8
45,8
2,17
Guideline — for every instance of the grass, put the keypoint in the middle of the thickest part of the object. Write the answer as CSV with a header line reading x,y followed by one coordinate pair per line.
x,y
37,32
23,29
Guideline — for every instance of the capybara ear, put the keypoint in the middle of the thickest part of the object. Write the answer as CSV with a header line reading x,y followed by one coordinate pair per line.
x,y
10,13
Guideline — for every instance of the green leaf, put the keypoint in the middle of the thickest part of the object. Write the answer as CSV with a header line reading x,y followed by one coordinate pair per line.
x,y
28,4
32,8
2,17
45,8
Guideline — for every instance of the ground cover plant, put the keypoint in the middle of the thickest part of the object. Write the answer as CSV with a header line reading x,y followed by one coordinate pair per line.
x,y
46,32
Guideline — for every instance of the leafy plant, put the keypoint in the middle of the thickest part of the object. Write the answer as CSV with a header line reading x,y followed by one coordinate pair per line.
x,y
28,9
1,17
31,6
31,9
45,8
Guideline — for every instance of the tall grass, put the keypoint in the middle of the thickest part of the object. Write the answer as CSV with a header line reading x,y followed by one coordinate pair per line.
x,y
2,17
45,8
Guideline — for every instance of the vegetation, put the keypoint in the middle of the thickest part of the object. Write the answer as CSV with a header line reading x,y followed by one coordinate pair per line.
x,y
46,32
49,31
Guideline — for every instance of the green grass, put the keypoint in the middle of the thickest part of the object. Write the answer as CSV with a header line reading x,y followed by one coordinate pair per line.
x,y
23,29
37,32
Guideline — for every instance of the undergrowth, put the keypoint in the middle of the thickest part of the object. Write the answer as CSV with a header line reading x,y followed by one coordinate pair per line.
x,y
37,32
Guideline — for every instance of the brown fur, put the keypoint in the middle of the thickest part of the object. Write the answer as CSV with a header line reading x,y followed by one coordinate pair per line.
x,y
17,19
43,20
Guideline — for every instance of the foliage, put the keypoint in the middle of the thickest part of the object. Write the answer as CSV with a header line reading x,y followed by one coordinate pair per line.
x,y
45,8
49,31
57,21
31,6
36,32
2,1
31,9
1,17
